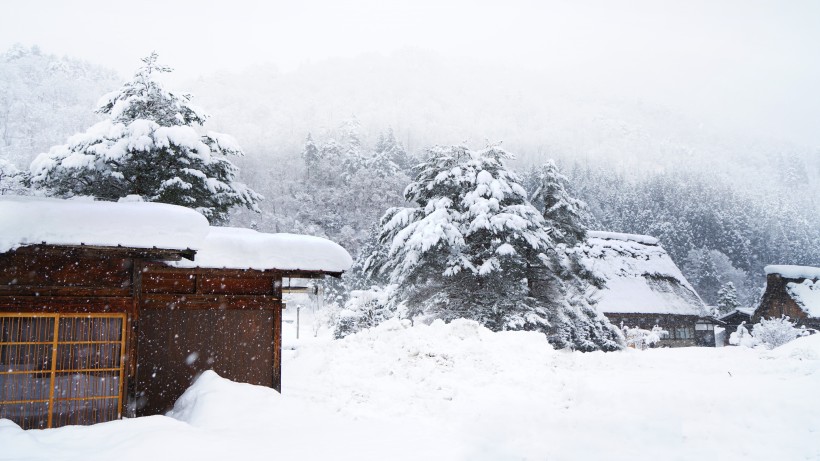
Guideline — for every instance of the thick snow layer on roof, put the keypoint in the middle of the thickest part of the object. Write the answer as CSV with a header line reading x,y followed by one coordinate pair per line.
x,y
640,277
746,310
235,248
806,295
645,239
794,272
35,220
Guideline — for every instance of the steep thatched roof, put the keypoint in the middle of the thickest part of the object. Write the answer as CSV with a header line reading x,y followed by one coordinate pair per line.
x,y
640,276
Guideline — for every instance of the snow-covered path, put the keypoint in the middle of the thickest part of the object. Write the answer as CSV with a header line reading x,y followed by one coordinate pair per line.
x,y
461,392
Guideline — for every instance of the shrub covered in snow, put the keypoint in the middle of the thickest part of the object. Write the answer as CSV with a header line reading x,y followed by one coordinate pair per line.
x,y
11,179
365,309
638,338
775,332
742,337
769,333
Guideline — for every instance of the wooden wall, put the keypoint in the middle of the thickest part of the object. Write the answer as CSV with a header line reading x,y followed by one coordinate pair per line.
x,y
193,320
666,321
179,321
50,280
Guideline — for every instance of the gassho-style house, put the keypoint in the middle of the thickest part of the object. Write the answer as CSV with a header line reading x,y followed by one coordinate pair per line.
x,y
111,309
645,288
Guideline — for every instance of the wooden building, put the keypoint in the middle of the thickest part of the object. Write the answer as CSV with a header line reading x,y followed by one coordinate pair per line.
x,y
645,288
793,291
112,309
734,319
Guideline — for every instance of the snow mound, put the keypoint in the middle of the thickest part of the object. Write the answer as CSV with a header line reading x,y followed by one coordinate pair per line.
x,y
214,402
805,348
427,366
236,248
794,272
36,220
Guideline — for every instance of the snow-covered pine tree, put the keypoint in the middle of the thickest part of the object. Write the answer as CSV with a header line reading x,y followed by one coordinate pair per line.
x,y
464,250
564,214
11,179
701,263
310,154
148,146
562,282
389,148
727,298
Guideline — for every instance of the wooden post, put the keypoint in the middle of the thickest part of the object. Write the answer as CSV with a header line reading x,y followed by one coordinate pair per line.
x,y
132,331
277,333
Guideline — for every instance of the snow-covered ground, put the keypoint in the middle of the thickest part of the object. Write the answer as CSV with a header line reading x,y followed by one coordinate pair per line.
x,y
461,392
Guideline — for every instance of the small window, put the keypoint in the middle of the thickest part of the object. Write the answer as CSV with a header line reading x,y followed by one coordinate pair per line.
x,y
684,333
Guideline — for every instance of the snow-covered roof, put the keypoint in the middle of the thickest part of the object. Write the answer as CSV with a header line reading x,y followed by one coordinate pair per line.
x,y
746,310
645,239
806,295
235,248
794,272
37,220
640,276
743,310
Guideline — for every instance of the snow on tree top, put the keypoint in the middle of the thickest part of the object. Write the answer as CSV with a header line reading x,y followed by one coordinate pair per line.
x,y
640,276
645,239
37,220
236,248
794,272
806,295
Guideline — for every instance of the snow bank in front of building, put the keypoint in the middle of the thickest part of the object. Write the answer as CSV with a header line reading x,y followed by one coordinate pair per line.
x,y
794,272
236,248
424,366
805,348
216,403
37,220
217,420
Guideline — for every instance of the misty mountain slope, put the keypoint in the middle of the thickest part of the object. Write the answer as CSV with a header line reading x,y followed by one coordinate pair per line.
x,y
431,100
44,99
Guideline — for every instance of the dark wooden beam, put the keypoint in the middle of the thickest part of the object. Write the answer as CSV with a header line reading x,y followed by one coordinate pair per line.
x,y
95,251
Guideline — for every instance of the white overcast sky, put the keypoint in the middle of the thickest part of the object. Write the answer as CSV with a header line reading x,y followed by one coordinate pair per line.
x,y
760,57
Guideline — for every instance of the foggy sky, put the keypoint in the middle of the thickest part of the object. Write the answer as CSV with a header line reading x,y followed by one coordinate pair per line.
x,y
750,64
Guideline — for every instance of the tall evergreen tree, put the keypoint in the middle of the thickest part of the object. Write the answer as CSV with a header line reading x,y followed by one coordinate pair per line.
x,y
464,250
472,246
564,213
727,299
389,148
148,146
563,282
310,154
